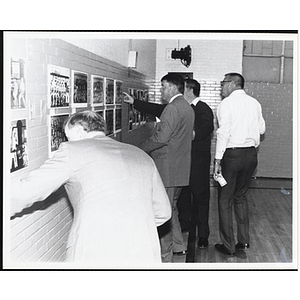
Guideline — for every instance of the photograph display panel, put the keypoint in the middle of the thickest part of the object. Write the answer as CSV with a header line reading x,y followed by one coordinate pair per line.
x,y
118,119
18,145
109,118
97,90
79,88
119,92
18,86
57,132
59,86
135,117
109,91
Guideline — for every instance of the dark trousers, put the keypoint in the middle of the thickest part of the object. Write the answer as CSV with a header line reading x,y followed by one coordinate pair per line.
x,y
238,166
196,195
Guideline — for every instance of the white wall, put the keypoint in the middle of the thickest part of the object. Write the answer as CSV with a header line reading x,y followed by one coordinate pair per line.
x,y
211,59
117,50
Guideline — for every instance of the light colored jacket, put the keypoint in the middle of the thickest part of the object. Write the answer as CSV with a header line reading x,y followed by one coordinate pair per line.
x,y
117,196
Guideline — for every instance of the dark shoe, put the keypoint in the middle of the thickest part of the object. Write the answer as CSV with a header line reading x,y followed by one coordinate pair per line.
x,y
202,243
221,248
181,253
240,246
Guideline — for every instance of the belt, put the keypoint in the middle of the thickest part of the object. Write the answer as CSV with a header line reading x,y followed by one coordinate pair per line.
x,y
240,148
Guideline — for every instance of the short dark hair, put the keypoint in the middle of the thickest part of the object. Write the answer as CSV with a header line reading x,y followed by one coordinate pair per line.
x,y
89,120
176,80
194,85
237,78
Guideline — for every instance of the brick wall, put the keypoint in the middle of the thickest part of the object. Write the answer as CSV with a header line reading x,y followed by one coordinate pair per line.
x,y
39,233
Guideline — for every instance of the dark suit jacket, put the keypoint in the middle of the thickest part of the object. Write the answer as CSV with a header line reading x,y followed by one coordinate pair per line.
x,y
149,108
170,144
204,126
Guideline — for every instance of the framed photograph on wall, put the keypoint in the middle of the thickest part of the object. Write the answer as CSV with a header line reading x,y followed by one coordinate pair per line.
x,y
130,117
119,92
118,119
59,87
109,118
97,90
79,89
18,84
109,91
57,134
18,145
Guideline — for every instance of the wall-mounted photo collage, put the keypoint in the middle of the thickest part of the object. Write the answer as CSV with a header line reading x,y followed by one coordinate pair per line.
x,y
70,92
19,114
136,118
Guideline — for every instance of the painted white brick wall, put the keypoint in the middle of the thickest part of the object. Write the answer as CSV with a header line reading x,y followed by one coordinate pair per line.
x,y
41,236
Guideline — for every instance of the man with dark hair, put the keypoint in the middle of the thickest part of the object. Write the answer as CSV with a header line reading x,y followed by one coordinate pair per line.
x,y
240,125
116,192
170,147
199,185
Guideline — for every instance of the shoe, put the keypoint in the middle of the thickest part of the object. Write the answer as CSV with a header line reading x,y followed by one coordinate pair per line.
x,y
240,246
221,248
202,243
181,253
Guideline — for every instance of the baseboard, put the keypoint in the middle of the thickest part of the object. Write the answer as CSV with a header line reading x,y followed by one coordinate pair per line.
x,y
265,183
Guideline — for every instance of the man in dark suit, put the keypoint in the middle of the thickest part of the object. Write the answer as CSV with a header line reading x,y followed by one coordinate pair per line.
x,y
170,147
200,170
199,185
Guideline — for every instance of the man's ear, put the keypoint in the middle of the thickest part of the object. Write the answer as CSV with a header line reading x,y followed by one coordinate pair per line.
x,y
81,132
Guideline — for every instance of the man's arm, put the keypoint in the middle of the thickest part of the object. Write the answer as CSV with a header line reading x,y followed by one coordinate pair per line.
x,y
163,130
204,121
145,107
149,108
42,182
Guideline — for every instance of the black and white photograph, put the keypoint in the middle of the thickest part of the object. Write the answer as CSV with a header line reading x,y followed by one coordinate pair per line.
x,y
18,84
18,145
97,90
59,86
57,131
195,170
119,92
109,91
109,120
79,85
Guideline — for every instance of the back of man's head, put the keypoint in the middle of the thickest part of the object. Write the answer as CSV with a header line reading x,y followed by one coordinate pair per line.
x,y
192,84
89,120
237,78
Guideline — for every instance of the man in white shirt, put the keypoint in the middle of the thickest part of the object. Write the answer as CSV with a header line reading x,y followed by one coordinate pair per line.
x,y
240,125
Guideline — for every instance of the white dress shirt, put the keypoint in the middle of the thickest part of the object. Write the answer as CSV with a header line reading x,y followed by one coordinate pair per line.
x,y
240,122
195,101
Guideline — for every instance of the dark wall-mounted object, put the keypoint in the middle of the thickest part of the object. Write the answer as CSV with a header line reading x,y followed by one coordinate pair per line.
x,y
184,54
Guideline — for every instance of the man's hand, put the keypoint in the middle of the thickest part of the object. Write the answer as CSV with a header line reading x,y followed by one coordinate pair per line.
x,y
128,99
217,167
